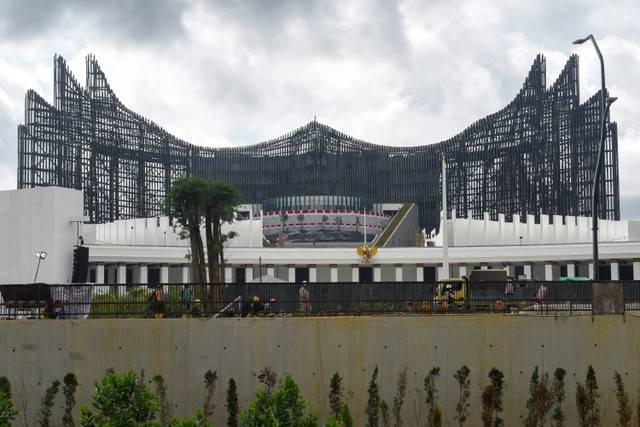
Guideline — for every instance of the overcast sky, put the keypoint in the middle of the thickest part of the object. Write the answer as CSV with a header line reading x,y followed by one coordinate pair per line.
x,y
222,73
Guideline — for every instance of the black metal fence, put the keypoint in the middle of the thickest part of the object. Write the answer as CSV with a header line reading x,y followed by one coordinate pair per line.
x,y
81,301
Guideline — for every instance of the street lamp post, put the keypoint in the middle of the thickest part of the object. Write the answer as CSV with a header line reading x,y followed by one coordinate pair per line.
x,y
40,255
605,104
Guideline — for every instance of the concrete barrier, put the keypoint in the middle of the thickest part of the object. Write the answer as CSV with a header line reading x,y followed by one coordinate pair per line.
x,y
33,353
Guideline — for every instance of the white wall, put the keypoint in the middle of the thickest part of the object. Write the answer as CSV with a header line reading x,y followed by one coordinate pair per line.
x,y
158,232
485,232
33,220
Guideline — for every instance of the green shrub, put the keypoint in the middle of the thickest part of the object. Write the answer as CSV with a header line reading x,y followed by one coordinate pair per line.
x,y
335,395
164,406
7,412
372,411
587,396
345,416
557,418
624,408
120,400
464,391
434,414
44,420
232,404
198,421
70,384
492,400
283,407
398,399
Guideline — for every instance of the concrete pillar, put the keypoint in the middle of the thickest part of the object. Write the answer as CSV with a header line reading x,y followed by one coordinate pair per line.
x,y
185,273
334,273
419,273
271,271
228,275
590,270
248,273
377,273
398,272
571,269
527,271
548,271
313,274
636,270
511,270
143,274
121,278
355,273
440,273
100,273
463,270
292,274
164,276
615,270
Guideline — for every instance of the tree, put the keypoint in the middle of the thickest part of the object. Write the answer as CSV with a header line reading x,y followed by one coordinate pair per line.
x,y
119,400
540,400
283,407
268,378
199,420
492,400
70,384
44,420
464,391
587,396
210,381
220,202
232,404
434,415
624,408
300,218
398,399
184,203
372,411
384,414
557,418
335,395
162,401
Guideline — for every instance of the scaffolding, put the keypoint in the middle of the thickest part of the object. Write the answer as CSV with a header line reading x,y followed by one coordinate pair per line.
x,y
535,156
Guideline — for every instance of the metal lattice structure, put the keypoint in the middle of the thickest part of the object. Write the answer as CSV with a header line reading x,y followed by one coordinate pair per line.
x,y
536,155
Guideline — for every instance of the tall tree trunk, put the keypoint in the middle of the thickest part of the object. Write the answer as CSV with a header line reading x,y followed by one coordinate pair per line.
x,y
210,248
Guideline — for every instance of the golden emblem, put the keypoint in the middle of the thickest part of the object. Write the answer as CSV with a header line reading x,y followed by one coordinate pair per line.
x,y
366,253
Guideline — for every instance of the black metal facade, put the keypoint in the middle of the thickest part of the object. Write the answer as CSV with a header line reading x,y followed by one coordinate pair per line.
x,y
536,155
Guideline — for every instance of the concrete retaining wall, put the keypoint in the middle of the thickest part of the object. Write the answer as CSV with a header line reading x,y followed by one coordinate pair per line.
x,y
33,353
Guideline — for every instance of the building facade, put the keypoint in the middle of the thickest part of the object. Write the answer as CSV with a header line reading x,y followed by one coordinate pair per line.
x,y
536,155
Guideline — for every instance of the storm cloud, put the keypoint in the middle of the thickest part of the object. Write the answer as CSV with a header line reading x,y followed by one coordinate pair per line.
x,y
222,73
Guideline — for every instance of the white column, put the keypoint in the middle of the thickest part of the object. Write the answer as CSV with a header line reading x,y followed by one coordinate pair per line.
x,y
615,270
377,274
511,270
527,270
440,273
463,270
636,270
271,271
228,274
313,274
248,273
571,269
355,273
548,271
143,273
398,272
590,270
334,273
419,273
100,273
484,267
185,273
292,274
164,275
121,278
